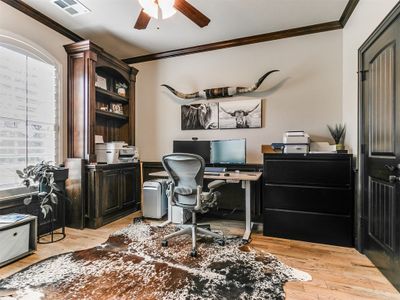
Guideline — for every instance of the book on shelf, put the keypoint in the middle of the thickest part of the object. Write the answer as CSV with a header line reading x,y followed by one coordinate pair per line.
x,y
12,218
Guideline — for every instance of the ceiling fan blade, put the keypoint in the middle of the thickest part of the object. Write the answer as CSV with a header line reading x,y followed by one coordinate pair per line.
x,y
191,12
142,20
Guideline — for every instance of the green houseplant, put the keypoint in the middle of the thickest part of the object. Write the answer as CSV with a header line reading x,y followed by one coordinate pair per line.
x,y
121,88
43,175
337,133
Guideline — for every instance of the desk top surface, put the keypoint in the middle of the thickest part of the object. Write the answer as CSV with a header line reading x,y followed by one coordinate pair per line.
x,y
248,176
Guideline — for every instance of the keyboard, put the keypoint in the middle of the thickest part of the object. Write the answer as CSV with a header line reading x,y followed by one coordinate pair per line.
x,y
212,173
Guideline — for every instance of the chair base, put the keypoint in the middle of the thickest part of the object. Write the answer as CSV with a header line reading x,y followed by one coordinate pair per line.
x,y
193,230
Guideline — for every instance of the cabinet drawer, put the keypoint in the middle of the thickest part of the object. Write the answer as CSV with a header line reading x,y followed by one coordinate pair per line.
x,y
14,242
308,172
311,199
312,227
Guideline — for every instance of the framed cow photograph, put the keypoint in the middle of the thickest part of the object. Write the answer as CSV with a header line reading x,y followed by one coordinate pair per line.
x,y
199,116
240,114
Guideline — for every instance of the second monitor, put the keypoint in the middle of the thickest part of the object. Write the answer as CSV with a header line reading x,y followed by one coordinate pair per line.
x,y
228,151
215,152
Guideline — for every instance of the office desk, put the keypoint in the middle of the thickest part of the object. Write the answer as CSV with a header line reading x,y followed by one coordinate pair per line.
x,y
244,177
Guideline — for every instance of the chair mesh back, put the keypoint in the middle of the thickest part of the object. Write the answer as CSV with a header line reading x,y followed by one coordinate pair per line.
x,y
186,170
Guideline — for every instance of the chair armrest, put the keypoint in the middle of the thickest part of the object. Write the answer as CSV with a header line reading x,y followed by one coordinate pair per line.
x,y
170,193
216,184
198,198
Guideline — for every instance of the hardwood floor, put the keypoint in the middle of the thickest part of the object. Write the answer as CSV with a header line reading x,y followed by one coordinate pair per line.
x,y
338,272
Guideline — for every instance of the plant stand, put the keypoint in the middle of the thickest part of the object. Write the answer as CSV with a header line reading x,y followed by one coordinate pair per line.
x,y
55,235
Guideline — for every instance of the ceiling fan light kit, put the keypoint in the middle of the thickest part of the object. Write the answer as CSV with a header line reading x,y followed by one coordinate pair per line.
x,y
158,8
163,9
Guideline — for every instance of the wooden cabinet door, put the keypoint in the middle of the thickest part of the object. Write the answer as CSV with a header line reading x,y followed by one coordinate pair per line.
x,y
110,191
128,187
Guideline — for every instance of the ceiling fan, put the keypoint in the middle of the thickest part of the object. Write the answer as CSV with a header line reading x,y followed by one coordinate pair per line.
x,y
167,8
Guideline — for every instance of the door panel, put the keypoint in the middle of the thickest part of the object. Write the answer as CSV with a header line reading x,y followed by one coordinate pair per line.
x,y
380,108
128,188
382,104
110,182
381,223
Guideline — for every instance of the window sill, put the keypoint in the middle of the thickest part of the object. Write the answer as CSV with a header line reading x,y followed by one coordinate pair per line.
x,y
16,193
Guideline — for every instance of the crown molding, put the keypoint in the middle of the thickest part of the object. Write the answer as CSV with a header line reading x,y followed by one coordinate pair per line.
x,y
238,42
38,16
316,28
351,5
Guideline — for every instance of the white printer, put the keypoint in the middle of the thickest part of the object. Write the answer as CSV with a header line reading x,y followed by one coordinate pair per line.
x,y
296,141
115,152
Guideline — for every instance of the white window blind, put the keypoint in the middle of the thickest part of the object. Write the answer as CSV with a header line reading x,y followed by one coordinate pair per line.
x,y
28,113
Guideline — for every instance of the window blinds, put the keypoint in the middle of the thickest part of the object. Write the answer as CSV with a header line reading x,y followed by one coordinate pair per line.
x,y
28,114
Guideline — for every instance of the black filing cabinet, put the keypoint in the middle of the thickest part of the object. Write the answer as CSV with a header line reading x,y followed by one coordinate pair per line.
x,y
309,197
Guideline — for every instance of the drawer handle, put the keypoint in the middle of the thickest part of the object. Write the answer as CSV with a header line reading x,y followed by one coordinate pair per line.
x,y
15,234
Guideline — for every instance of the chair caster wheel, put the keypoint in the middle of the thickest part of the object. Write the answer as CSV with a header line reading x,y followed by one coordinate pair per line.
x,y
193,253
221,242
164,243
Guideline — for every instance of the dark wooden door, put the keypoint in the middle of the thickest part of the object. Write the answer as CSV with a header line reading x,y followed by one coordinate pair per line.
x,y
380,151
128,187
111,191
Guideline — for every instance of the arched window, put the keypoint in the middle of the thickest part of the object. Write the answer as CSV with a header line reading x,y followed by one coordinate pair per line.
x,y
29,82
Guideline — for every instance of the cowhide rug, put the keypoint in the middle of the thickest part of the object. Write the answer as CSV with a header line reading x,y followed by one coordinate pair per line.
x,y
132,264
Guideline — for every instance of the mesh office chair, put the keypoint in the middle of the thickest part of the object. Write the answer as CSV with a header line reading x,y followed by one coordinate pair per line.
x,y
185,190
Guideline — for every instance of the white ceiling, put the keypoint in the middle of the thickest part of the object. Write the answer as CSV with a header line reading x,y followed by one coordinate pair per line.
x,y
110,23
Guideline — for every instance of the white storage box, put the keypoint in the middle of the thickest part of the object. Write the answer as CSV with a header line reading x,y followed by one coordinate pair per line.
x,y
14,242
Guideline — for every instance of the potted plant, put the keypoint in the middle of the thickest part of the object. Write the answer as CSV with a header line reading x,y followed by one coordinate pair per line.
x,y
50,179
121,88
337,133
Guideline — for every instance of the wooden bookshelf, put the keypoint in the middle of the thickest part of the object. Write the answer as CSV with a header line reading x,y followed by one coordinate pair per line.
x,y
107,95
107,114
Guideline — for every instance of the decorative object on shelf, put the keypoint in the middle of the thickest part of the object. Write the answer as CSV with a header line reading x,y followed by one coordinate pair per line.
x,y
101,82
104,107
117,108
163,9
221,92
50,192
240,114
338,133
199,116
121,88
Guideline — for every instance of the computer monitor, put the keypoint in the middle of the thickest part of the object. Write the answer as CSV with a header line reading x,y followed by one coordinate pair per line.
x,y
228,151
201,148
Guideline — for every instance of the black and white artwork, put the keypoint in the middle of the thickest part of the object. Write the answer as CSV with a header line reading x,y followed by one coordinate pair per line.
x,y
199,116
240,114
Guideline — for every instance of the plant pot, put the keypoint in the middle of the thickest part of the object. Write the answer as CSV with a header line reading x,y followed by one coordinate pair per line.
x,y
121,92
339,147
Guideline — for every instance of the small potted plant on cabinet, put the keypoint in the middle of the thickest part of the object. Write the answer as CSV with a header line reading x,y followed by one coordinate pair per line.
x,y
337,133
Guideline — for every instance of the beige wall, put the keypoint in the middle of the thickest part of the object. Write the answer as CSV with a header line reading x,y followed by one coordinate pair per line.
x,y
317,84
366,17
306,94
18,25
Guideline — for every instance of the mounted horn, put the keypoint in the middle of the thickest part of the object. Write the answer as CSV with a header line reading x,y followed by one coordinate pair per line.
x,y
182,95
220,92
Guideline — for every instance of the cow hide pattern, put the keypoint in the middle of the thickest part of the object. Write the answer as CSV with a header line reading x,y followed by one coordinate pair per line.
x,y
132,264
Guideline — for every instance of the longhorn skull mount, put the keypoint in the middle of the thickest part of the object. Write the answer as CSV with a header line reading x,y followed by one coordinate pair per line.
x,y
222,92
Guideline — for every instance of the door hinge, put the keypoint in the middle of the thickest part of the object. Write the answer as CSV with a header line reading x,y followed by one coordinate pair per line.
x,y
363,74
362,148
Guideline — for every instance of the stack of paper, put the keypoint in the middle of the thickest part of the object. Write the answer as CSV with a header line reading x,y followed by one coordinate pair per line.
x,y
11,218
